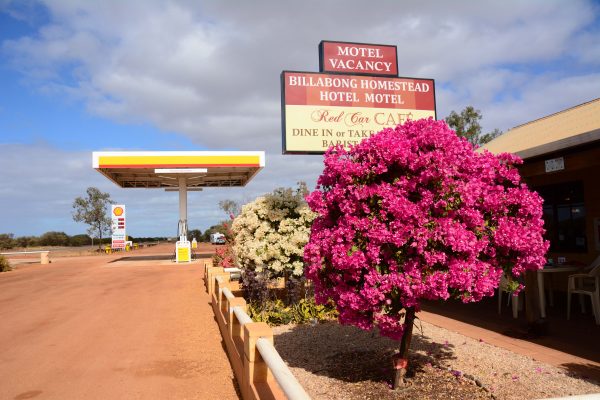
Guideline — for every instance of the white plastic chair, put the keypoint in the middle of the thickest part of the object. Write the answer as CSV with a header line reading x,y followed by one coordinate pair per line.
x,y
586,284
514,300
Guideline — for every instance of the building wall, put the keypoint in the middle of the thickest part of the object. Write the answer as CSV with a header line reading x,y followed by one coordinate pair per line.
x,y
583,165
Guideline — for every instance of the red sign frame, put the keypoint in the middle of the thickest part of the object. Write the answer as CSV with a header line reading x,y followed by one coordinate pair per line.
x,y
358,58
389,100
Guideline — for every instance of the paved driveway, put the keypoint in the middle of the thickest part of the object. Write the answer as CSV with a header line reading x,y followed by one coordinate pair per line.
x,y
87,328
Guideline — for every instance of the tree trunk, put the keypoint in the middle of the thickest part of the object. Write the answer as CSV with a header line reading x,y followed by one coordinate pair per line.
x,y
400,361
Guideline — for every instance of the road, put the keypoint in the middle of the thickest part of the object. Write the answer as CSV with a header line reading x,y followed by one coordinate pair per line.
x,y
89,328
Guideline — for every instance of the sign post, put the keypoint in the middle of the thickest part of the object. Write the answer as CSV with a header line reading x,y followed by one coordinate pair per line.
x,y
118,229
183,251
356,94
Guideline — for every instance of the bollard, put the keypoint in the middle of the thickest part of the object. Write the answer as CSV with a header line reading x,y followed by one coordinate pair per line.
x,y
45,257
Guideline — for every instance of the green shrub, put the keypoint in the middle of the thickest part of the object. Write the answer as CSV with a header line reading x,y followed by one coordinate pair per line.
x,y
275,312
307,310
80,240
4,264
54,238
7,240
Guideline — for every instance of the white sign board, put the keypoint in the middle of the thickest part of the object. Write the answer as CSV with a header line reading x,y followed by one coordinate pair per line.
x,y
183,251
117,214
555,164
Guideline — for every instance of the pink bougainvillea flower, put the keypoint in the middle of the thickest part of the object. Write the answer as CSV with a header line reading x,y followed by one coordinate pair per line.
x,y
414,213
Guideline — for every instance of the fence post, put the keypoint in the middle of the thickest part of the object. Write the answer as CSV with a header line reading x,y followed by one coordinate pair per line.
x,y
222,299
212,271
234,340
215,295
256,370
206,267
231,320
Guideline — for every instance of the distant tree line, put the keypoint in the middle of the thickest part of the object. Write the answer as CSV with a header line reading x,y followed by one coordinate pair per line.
x,y
53,238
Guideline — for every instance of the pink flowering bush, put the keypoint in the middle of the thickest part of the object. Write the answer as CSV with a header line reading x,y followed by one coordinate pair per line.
x,y
415,213
223,257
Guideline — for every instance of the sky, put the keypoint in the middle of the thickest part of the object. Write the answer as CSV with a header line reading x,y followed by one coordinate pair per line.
x,y
78,76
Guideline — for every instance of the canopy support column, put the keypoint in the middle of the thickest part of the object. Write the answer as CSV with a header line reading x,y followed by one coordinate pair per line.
x,y
183,208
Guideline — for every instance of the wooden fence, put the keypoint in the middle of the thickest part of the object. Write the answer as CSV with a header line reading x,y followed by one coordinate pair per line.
x,y
258,368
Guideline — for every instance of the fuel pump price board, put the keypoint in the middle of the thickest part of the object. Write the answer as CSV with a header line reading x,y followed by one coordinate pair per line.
x,y
118,226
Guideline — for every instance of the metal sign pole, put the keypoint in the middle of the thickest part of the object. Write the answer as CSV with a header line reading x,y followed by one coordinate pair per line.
x,y
183,208
182,247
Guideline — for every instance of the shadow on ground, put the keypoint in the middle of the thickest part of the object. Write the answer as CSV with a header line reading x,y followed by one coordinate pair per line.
x,y
155,257
361,362
353,355
583,370
158,257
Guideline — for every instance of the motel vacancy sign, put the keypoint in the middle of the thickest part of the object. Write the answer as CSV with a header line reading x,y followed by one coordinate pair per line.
x,y
356,93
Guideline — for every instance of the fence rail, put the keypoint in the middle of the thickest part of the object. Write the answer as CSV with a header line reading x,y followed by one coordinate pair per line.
x,y
241,316
44,254
258,368
283,376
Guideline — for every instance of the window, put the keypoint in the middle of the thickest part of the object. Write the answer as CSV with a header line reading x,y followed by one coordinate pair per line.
x,y
564,216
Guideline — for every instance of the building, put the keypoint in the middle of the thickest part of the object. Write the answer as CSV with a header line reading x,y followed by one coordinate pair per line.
x,y
561,154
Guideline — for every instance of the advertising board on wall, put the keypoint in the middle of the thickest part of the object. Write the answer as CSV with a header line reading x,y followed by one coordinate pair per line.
x,y
356,94
118,229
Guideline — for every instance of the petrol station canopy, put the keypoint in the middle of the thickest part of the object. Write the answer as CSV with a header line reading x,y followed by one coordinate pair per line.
x,y
162,169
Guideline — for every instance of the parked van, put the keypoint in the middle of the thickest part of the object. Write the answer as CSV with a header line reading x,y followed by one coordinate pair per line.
x,y
217,238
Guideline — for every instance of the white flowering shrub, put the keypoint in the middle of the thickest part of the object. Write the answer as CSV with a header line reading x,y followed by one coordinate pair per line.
x,y
270,234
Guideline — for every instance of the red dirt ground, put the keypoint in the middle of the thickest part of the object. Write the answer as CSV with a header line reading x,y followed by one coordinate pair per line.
x,y
89,328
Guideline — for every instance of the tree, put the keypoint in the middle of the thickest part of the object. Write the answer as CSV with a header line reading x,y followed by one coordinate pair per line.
x,y
488,137
27,241
231,207
7,240
414,213
93,211
269,238
195,233
270,233
220,228
54,238
466,124
80,240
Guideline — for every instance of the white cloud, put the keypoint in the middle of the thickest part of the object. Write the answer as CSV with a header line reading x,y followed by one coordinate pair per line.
x,y
201,68
211,70
38,194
